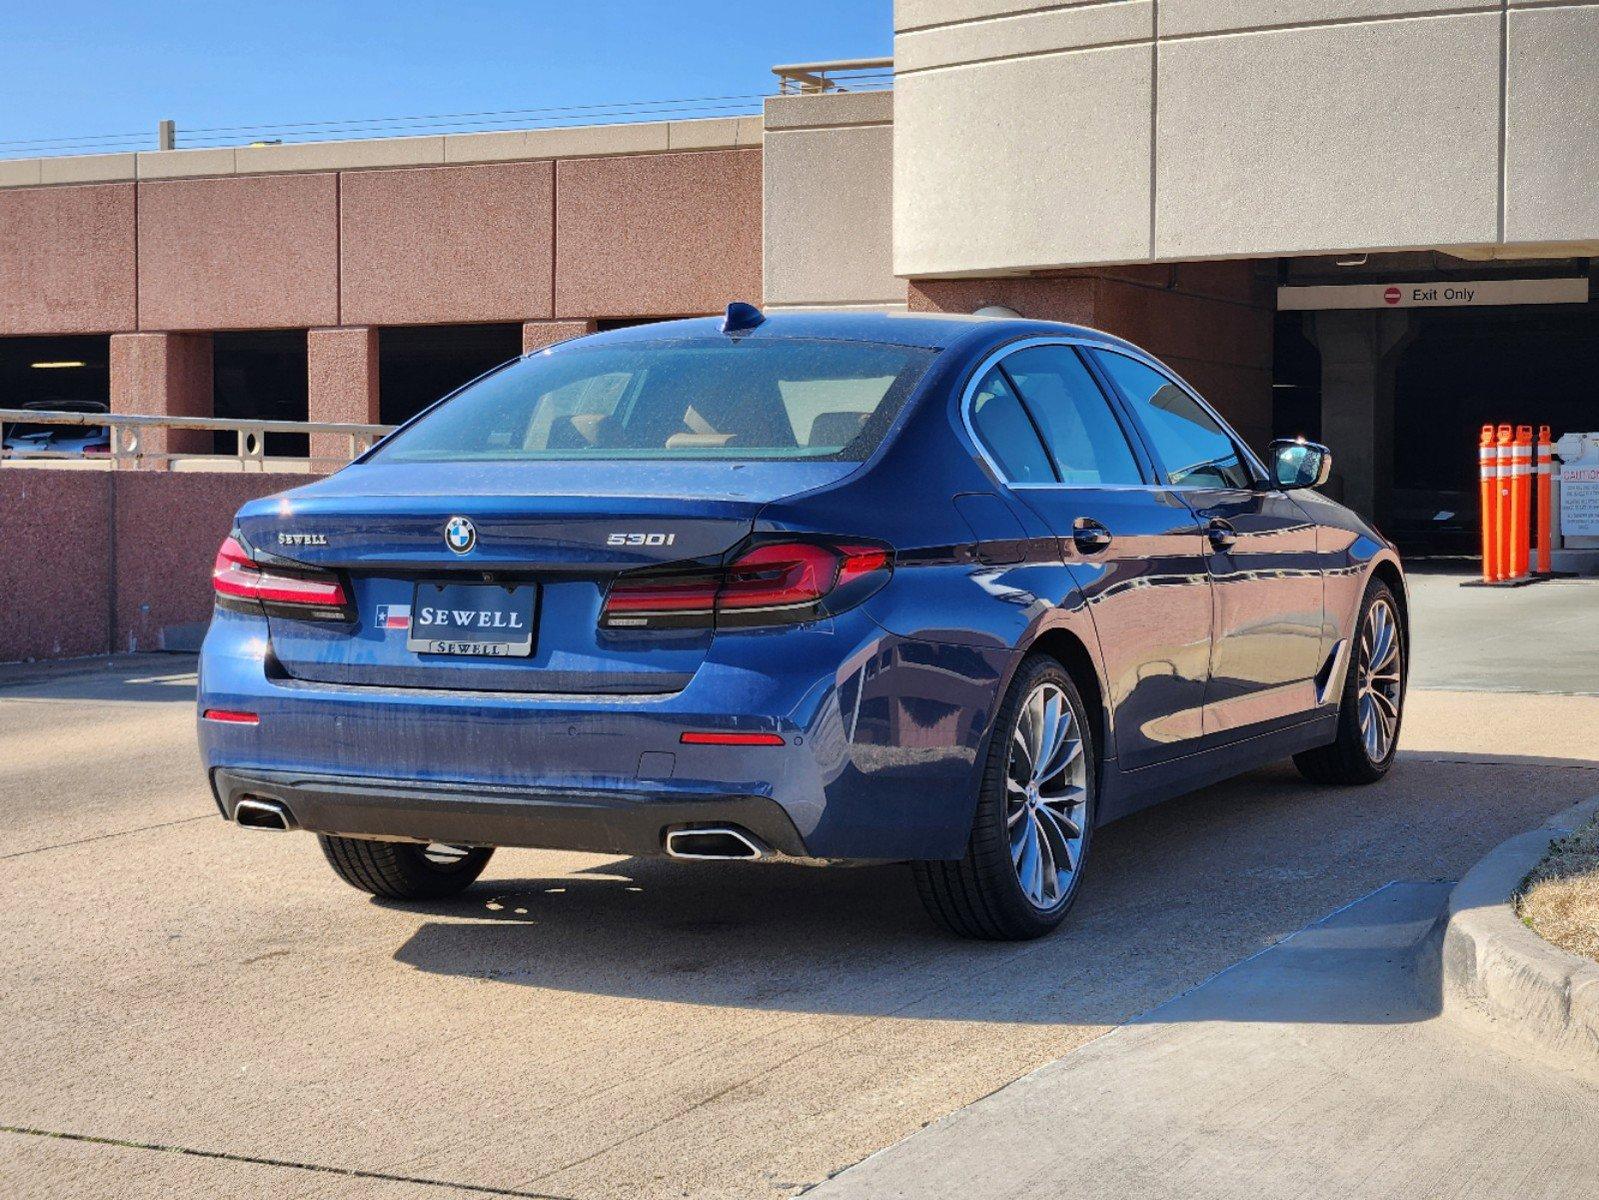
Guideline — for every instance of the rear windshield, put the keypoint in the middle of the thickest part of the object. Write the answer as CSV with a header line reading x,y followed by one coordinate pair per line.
x,y
694,399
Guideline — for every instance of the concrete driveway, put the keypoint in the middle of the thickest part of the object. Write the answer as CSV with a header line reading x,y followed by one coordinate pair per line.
x,y
577,1026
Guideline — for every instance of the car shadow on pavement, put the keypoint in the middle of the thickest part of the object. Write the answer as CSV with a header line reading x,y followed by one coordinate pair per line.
x,y
1176,894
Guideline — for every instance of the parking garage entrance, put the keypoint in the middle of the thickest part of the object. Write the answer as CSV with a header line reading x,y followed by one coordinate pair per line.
x,y
39,371
1404,429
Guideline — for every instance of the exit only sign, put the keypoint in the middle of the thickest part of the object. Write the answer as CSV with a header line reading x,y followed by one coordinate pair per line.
x,y
1475,293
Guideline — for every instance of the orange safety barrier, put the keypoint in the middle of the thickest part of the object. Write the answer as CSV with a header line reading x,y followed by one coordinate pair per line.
x,y
1503,437
1521,502
1546,467
1487,486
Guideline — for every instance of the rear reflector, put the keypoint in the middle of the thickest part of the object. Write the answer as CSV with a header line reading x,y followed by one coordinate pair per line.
x,y
693,737
231,716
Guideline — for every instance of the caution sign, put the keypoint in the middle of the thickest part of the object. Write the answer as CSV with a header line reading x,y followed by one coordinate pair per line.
x,y
1579,499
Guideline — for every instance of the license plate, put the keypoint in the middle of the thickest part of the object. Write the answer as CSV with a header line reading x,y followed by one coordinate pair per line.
x,y
491,619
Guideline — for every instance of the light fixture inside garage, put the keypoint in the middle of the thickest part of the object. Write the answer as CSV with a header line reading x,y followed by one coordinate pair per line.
x,y
60,365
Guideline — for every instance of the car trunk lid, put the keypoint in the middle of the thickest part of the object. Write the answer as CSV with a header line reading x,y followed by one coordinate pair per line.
x,y
546,541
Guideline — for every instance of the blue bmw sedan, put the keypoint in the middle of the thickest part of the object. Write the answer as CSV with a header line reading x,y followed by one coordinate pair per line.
x,y
949,590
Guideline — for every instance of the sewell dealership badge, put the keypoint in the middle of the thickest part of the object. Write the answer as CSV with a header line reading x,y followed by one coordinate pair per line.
x,y
460,534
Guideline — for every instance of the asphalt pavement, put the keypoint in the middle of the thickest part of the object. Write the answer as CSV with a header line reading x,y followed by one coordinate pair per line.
x,y
193,1009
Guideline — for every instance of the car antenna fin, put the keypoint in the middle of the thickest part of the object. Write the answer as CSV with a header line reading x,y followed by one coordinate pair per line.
x,y
741,317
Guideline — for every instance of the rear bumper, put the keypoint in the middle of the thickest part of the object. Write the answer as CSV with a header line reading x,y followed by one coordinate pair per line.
x,y
880,738
603,822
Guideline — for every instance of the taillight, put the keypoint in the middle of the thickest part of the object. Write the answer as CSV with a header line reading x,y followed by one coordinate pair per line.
x,y
770,584
241,582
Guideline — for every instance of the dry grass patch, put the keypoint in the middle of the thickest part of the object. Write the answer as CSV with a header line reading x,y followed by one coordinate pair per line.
x,y
1560,899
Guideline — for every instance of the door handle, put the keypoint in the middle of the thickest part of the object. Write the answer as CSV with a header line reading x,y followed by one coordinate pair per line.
x,y
1089,536
1221,535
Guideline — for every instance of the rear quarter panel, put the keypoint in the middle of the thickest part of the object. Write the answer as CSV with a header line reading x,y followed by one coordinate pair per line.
x,y
974,585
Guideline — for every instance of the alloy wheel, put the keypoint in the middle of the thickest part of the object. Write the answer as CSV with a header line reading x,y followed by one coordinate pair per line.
x,y
1046,796
1378,681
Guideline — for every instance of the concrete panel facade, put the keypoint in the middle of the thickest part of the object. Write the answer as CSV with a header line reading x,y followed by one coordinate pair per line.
x,y
657,235
164,374
1331,137
1179,18
239,253
342,383
1552,124
447,244
1042,31
987,178
1258,127
67,259
828,213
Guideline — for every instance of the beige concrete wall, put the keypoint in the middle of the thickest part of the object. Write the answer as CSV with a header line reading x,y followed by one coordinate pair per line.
x,y
828,212
577,141
1031,136
1552,124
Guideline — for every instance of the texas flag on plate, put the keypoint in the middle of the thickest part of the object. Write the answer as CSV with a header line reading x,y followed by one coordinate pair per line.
x,y
394,616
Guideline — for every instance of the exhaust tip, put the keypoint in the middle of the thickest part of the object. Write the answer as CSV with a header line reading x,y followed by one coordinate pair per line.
x,y
716,844
252,812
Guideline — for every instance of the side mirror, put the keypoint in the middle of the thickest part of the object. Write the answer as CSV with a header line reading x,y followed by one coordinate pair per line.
x,y
1297,463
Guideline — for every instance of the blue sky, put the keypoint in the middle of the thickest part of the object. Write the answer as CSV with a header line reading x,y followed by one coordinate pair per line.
x,y
113,67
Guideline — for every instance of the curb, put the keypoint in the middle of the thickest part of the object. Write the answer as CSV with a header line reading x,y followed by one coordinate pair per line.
x,y
1492,967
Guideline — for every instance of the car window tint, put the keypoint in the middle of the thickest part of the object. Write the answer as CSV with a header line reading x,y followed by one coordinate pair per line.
x,y
707,398
1195,448
1007,433
1076,420
830,412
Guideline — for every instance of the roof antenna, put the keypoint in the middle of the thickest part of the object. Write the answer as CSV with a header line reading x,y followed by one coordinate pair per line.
x,y
741,317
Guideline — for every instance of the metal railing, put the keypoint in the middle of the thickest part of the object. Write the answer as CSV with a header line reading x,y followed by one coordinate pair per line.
x,y
129,448
839,75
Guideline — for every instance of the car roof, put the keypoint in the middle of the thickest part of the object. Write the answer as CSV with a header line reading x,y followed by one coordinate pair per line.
x,y
935,331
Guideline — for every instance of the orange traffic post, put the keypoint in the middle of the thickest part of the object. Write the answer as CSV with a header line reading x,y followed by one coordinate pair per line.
x,y
1545,467
1521,502
1487,481
1503,437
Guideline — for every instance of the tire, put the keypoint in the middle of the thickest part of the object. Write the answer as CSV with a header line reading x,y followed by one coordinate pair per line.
x,y
1355,757
982,895
404,870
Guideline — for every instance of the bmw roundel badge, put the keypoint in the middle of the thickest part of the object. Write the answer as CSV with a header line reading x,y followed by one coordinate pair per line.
x,y
460,535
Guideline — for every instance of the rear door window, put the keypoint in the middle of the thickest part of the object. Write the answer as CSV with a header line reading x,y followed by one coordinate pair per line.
x,y
1007,432
1195,449
1080,430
